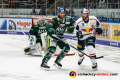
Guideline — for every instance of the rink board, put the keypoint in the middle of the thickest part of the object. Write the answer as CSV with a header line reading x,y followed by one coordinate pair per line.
x,y
12,25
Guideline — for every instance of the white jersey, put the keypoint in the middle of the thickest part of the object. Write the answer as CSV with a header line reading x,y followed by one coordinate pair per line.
x,y
88,27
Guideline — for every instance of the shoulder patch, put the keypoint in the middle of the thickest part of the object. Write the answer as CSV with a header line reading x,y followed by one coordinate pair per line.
x,y
58,19
51,24
35,23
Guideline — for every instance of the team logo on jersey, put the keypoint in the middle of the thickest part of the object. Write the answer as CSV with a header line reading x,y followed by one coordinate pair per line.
x,y
87,30
82,24
62,25
92,22
42,27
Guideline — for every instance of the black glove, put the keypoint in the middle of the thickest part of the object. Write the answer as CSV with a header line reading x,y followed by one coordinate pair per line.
x,y
99,31
79,34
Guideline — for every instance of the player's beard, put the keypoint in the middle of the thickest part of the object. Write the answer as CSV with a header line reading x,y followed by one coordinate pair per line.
x,y
85,18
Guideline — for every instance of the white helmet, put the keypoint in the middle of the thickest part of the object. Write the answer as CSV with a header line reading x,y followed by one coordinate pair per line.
x,y
41,18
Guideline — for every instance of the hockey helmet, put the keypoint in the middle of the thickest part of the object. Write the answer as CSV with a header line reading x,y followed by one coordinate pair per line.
x,y
41,20
85,10
61,9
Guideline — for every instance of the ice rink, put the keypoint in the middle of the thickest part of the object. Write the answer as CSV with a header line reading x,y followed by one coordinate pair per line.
x,y
14,65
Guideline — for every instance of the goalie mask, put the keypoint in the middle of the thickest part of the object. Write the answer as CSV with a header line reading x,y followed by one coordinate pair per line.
x,y
41,20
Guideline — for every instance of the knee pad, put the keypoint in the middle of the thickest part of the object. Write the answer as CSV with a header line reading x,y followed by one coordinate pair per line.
x,y
52,49
91,50
67,48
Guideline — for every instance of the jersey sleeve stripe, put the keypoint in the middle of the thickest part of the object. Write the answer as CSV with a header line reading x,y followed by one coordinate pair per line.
x,y
78,23
95,19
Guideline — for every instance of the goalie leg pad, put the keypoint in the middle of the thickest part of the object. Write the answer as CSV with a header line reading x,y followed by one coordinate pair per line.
x,y
44,39
32,40
39,46
51,43
31,49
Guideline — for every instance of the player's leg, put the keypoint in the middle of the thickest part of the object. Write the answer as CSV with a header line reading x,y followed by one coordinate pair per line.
x,y
90,43
65,49
51,50
81,47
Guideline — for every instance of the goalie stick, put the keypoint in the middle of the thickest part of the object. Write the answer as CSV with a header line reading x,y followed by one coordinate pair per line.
x,y
76,48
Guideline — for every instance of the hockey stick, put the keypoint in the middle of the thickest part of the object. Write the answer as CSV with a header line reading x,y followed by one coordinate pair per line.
x,y
70,37
38,50
22,31
76,48
34,45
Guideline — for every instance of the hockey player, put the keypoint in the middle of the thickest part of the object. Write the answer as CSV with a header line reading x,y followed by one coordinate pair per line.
x,y
87,25
57,27
35,36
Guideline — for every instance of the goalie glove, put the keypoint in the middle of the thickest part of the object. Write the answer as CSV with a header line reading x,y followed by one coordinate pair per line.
x,y
99,31
79,34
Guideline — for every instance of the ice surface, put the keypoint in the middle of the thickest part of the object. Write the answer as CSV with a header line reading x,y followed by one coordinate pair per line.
x,y
14,65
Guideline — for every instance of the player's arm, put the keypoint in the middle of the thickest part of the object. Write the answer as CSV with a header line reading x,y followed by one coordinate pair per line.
x,y
71,27
32,35
32,32
98,27
50,27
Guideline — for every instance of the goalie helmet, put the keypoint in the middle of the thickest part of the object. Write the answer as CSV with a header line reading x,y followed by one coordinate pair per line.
x,y
41,20
85,10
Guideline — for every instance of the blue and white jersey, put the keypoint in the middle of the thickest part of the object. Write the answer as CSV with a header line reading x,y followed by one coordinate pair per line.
x,y
88,27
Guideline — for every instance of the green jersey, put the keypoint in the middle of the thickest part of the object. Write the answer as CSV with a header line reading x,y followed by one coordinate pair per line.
x,y
37,29
60,26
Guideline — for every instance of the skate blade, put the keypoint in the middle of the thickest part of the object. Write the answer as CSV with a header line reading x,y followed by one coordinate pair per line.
x,y
95,69
80,62
56,65
46,69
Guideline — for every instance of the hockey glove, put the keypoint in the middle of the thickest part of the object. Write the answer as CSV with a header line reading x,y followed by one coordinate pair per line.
x,y
79,34
50,31
99,31
71,29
